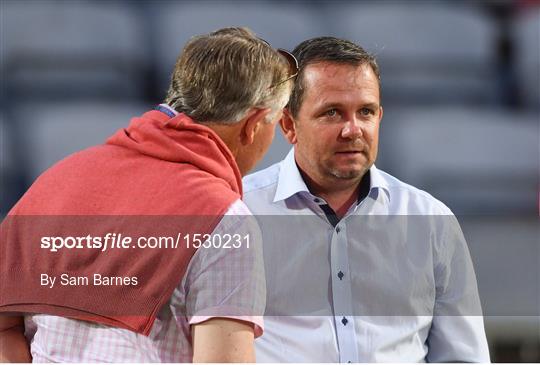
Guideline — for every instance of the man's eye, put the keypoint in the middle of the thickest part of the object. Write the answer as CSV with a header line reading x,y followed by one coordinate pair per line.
x,y
366,111
331,113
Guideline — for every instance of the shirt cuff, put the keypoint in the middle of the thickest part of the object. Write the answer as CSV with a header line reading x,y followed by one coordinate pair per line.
x,y
240,314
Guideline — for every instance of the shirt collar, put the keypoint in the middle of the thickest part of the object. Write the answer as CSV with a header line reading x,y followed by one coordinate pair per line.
x,y
378,181
167,109
290,181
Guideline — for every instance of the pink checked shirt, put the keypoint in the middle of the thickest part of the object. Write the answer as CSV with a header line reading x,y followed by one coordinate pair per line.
x,y
218,283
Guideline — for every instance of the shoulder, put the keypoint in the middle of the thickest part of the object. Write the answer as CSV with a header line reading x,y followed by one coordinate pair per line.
x,y
238,219
238,208
260,190
412,200
262,179
261,184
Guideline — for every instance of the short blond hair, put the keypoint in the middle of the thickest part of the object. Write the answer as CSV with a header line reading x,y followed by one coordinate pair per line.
x,y
221,75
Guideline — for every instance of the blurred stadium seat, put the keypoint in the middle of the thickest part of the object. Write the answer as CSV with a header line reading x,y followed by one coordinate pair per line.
x,y
429,52
283,26
479,161
71,49
53,131
6,157
526,36
10,188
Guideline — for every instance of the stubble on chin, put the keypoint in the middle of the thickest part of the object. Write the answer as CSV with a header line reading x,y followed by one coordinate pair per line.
x,y
344,173
347,175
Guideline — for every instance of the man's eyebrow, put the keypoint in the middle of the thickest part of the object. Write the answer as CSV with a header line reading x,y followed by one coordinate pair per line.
x,y
329,105
337,105
371,105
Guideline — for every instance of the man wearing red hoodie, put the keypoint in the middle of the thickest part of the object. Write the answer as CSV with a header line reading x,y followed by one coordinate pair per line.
x,y
78,252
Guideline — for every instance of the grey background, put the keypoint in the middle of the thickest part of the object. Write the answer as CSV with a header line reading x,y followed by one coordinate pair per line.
x,y
460,92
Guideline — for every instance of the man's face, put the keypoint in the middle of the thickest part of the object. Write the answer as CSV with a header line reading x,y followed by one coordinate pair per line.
x,y
336,130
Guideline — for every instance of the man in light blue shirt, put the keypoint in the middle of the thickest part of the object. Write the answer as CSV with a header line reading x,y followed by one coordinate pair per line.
x,y
360,266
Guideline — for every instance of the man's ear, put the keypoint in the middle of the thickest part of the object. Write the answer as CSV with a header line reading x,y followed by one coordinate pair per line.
x,y
251,124
381,113
288,127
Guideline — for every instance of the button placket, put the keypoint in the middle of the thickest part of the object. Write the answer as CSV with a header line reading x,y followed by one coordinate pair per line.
x,y
341,295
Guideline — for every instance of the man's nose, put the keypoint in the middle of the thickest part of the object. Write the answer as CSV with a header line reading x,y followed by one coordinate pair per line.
x,y
351,129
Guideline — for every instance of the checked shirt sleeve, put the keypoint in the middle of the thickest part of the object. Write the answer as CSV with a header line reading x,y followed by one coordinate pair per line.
x,y
226,281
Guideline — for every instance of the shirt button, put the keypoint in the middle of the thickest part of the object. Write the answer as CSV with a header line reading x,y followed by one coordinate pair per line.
x,y
317,200
344,321
340,275
338,229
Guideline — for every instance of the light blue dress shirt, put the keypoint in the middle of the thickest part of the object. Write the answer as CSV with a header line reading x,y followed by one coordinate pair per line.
x,y
393,281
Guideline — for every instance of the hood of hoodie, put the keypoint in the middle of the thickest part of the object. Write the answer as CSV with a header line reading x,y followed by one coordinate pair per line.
x,y
180,139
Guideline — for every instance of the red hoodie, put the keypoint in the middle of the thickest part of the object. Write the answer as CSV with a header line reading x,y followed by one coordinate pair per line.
x,y
160,177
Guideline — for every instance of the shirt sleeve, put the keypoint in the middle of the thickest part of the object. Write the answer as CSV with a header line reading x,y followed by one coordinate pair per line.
x,y
225,278
457,331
